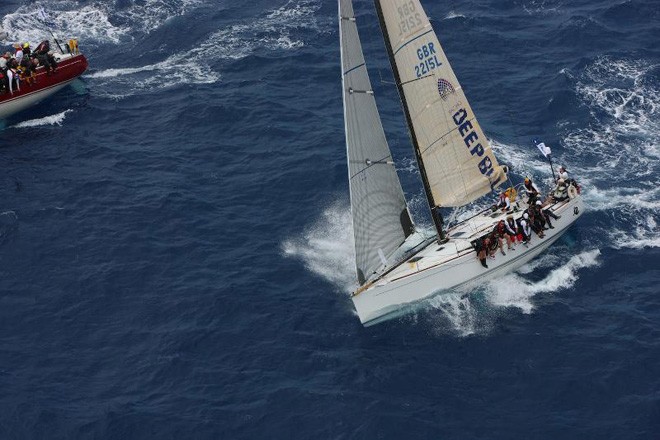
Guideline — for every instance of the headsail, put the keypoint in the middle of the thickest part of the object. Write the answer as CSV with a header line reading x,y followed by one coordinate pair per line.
x,y
381,221
455,158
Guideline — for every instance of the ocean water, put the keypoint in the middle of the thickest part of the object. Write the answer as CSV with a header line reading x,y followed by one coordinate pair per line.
x,y
175,234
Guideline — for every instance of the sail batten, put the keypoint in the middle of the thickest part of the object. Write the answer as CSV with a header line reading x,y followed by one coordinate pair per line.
x,y
381,221
411,40
455,159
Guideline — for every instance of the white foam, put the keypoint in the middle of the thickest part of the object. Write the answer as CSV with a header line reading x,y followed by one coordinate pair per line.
x,y
90,23
326,247
618,151
514,290
56,119
148,15
643,233
175,70
535,7
273,31
451,14
459,315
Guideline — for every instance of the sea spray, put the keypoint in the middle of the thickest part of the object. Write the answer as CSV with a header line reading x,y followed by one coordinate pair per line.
x,y
326,247
56,119
513,290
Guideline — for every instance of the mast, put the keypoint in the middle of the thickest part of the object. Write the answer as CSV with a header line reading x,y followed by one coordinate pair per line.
x,y
433,207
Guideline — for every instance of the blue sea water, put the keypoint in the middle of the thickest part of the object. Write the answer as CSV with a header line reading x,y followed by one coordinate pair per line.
x,y
175,243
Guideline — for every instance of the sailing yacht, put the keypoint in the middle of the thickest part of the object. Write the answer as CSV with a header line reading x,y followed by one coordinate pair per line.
x,y
456,165
70,65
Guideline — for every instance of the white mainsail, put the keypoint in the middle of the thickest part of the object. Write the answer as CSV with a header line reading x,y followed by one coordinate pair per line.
x,y
381,221
455,158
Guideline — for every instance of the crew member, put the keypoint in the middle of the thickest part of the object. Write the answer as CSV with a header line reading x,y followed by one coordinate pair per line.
x,y
503,202
511,231
563,174
500,232
46,58
532,190
524,228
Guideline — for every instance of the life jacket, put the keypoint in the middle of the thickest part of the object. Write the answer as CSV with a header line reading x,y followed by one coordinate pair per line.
x,y
524,227
511,226
561,192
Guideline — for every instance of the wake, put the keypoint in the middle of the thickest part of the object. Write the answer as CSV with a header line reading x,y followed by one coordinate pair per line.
x,y
56,119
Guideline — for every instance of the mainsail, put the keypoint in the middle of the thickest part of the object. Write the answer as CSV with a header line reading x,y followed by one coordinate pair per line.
x,y
381,221
455,158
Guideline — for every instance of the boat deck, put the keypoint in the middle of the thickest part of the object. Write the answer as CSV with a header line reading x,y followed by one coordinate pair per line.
x,y
460,241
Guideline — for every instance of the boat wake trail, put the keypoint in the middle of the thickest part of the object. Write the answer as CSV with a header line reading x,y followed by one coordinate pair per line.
x,y
474,310
176,70
514,290
57,119
278,29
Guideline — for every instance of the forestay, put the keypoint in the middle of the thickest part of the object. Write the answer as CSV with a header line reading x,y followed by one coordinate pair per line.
x,y
455,158
381,221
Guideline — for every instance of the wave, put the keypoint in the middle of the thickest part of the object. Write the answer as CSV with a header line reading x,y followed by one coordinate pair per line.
x,y
176,70
451,15
618,151
513,290
90,23
56,119
536,7
276,30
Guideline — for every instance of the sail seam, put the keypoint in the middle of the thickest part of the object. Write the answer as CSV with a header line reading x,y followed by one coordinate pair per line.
x,y
410,41
417,79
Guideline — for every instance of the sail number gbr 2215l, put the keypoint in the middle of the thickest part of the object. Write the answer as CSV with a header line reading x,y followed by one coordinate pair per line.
x,y
409,19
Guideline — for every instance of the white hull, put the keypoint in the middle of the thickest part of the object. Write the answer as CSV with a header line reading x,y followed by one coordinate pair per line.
x,y
20,103
438,268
